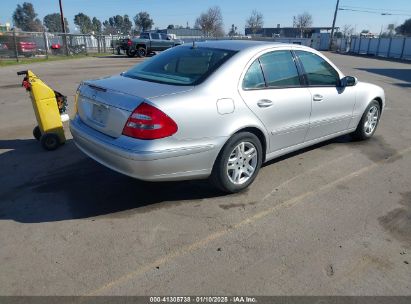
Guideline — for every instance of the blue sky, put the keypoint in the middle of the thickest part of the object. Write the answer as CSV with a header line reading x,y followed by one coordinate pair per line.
x,y
235,12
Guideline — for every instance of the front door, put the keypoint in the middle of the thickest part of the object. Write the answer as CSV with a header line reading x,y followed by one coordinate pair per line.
x,y
332,105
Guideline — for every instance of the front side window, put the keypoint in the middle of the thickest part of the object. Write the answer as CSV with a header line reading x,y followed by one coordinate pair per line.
x,y
155,36
181,66
318,71
279,69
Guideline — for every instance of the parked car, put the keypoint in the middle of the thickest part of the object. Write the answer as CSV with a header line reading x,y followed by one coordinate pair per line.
x,y
4,50
220,109
25,47
151,42
58,49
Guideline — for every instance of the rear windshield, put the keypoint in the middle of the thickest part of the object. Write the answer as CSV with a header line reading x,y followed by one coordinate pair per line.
x,y
181,65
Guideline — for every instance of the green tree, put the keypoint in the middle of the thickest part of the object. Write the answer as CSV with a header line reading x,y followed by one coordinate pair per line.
x,y
116,22
53,23
108,28
143,21
405,28
96,25
84,23
255,21
24,17
175,27
118,25
127,25
391,29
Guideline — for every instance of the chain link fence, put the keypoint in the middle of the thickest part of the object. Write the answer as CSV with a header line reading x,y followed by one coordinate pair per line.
x,y
18,45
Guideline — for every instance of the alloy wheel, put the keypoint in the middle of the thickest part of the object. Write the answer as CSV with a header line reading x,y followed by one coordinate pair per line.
x,y
242,163
372,120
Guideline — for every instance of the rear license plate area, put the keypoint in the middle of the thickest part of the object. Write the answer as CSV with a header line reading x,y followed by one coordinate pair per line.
x,y
99,114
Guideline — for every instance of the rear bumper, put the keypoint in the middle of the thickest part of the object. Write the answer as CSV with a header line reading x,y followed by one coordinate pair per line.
x,y
142,160
28,50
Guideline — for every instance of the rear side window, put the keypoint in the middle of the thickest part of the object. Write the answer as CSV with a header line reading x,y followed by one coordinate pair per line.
x,y
145,36
163,36
181,66
279,69
254,78
155,36
318,71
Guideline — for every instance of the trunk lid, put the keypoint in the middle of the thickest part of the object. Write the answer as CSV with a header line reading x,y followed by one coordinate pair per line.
x,y
105,104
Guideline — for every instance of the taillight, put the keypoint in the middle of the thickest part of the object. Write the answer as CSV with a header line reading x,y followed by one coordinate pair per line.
x,y
129,42
148,122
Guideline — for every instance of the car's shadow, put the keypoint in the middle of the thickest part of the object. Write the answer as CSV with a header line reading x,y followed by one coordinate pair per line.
x,y
39,186
65,184
339,140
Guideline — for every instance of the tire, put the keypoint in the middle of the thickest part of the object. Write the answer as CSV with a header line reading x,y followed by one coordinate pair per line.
x,y
50,141
141,52
229,178
369,122
37,133
131,53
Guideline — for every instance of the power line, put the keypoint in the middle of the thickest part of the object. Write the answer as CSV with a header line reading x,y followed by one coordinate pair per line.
x,y
372,12
376,9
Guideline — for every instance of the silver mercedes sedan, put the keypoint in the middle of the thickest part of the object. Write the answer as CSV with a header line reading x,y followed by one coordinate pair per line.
x,y
219,110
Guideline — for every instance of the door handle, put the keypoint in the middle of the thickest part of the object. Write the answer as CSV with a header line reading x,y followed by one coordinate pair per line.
x,y
318,97
264,103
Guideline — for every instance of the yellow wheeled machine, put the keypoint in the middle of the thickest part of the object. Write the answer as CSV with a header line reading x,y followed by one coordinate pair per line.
x,y
49,107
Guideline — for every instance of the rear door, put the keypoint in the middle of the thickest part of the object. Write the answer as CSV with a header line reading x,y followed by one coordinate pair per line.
x,y
166,42
332,105
272,89
156,43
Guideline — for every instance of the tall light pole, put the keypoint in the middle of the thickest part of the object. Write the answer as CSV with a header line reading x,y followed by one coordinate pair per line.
x,y
333,27
63,26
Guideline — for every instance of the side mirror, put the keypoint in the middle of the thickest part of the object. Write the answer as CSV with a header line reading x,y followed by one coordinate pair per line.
x,y
349,81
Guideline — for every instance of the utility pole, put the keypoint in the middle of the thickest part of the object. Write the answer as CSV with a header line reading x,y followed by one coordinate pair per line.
x,y
63,26
333,27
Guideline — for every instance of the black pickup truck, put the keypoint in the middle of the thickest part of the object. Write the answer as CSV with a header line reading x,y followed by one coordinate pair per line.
x,y
122,44
151,42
